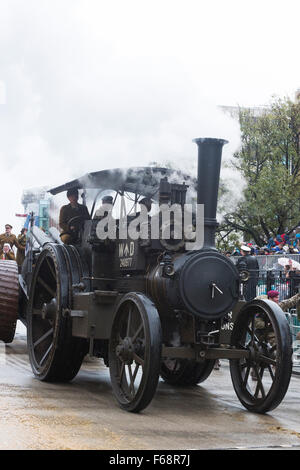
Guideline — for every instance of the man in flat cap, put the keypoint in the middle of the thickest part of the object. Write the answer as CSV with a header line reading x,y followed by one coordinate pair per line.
x,y
10,238
67,222
249,263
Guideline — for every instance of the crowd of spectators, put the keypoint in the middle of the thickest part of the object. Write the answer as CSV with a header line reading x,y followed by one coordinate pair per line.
x,y
281,244
264,276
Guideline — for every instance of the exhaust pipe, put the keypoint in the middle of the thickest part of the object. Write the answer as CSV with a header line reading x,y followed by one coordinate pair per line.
x,y
209,167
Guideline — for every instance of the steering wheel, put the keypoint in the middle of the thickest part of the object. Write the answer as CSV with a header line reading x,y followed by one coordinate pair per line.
x,y
76,222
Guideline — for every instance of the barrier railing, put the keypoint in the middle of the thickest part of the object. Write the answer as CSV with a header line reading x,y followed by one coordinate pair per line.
x,y
295,328
272,276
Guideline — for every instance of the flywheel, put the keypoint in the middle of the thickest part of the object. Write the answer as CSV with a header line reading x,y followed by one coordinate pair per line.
x,y
9,297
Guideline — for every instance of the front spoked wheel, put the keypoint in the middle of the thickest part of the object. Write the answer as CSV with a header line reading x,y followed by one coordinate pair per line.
x,y
135,352
261,377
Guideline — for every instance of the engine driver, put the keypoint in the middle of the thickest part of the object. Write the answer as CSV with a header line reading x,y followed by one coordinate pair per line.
x,y
71,217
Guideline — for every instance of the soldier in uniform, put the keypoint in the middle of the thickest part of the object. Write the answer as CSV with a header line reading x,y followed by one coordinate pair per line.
x,y
22,245
69,232
10,238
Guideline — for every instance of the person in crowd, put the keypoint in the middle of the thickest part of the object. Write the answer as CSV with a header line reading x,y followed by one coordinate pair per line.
x,y
279,247
21,249
286,304
7,253
271,243
294,277
8,237
67,214
273,295
249,263
296,243
286,271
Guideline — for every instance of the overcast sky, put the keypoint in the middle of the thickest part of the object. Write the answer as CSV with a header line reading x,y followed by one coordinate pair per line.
x,y
91,84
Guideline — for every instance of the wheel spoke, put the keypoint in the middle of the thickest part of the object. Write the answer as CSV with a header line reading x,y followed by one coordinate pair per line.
x,y
246,374
135,371
42,338
259,384
46,354
140,328
121,372
131,385
267,360
139,360
129,322
124,385
51,269
271,372
45,285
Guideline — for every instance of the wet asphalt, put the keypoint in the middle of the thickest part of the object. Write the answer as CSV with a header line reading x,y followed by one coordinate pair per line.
x,y
84,415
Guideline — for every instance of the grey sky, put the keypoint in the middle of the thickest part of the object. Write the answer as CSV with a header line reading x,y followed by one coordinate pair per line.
x,y
88,85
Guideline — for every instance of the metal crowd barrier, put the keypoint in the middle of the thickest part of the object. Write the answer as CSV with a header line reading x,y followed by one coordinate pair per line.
x,y
295,328
271,276
266,262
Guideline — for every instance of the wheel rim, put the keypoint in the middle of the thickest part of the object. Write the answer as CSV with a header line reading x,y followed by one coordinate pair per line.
x,y
55,355
45,307
261,379
134,356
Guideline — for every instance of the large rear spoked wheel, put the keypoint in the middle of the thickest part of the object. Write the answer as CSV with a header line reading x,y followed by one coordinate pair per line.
x,y
54,354
261,377
9,298
135,352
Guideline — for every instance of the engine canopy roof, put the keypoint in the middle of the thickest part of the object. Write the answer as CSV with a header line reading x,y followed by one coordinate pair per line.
x,y
141,180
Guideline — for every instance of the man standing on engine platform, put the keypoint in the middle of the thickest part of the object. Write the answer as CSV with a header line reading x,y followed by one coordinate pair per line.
x,y
72,217
10,238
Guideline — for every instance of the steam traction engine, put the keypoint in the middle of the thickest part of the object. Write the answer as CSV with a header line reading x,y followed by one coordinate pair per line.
x,y
149,308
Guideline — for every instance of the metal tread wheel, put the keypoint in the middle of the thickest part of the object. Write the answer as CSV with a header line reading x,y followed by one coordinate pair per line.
x,y
261,378
185,372
54,354
9,298
135,352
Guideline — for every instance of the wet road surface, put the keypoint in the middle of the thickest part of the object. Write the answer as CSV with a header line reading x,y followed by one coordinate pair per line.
x,y
84,414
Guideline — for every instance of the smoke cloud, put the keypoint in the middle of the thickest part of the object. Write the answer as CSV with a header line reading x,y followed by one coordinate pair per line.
x,y
86,87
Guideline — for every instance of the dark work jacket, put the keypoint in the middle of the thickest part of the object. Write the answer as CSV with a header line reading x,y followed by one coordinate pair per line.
x,y
68,212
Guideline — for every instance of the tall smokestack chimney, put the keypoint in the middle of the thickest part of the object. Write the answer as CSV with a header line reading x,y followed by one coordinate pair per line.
x,y
209,167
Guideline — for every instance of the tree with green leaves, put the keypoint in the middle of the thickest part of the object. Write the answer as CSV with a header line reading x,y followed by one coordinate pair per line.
x,y
269,162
